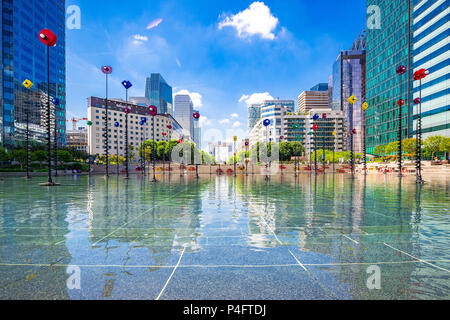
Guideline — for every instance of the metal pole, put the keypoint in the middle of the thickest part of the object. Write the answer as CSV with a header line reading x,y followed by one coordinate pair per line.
x,y
323,154
399,137
106,130
234,158
127,155
419,179
352,156
48,120
154,149
55,146
28,144
118,171
364,142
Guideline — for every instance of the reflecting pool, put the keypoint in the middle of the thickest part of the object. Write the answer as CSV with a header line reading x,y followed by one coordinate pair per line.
x,y
220,237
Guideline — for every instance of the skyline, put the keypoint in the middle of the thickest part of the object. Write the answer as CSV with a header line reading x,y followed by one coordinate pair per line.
x,y
219,53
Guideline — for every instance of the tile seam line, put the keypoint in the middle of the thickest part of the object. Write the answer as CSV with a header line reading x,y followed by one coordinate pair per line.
x,y
214,266
171,275
328,292
423,261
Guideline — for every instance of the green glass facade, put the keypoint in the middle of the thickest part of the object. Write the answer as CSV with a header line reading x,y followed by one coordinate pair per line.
x,y
387,48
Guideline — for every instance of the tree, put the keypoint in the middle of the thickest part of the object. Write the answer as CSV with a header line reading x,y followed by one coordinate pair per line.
x,y
131,154
39,155
409,145
392,148
380,150
64,156
20,156
432,144
445,146
297,149
3,155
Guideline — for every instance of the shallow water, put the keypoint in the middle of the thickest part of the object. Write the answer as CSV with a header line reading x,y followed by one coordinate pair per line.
x,y
314,237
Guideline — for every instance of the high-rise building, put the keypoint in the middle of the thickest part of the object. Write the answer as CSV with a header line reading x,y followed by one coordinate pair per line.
x,y
254,114
320,87
309,100
432,52
388,47
140,101
136,133
297,128
184,110
197,133
349,78
275,111
23,56
77,139
159,93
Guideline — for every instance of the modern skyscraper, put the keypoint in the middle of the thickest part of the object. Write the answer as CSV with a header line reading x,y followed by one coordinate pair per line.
x,y
254,114
388,47
159,93
349,78
309,100
320,87
432,52
184,110
23,56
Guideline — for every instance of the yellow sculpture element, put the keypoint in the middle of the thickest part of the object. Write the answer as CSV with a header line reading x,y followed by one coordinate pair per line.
x,y
352,99
365,106
235,138
334,133
27,84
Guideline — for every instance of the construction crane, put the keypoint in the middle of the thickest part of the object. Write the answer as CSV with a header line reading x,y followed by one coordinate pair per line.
x,y
75,121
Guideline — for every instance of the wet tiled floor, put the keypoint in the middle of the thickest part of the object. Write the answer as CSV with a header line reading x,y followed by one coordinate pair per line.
x,y
314,237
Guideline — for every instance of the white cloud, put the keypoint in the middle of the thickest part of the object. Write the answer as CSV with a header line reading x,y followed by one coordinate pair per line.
x,y
244,97
178,62
204,121
234,115
255,20
195,97
256,98
237,124
154,23
224,121
139,39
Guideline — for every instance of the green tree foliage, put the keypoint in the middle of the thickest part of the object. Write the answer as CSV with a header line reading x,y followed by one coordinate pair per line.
x,y
40,156
380,150
432,144
20,156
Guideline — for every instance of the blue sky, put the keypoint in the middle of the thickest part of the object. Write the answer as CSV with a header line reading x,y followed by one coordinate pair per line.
x,y
225,53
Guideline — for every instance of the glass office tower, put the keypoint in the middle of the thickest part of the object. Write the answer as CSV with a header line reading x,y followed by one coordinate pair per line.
x,y
23,57
159,93
432,52
388,47
349,78
254,114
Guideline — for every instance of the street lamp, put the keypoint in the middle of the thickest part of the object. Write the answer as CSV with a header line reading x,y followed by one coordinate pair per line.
x,y
196,116
419,75
153,111
143,121
352,100
117,125
55,102
170,128
315,128
89,123
127,85
334,150
27,84
235,155
400,71
107,70
246,159
48,38
364,107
